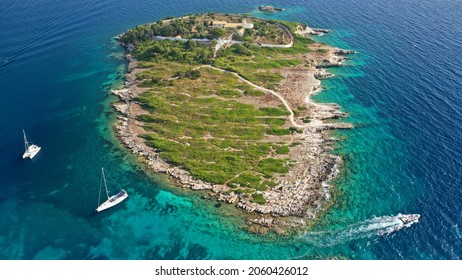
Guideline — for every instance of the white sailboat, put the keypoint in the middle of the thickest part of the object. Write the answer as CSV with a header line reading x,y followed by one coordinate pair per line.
x,y
111,201
30,149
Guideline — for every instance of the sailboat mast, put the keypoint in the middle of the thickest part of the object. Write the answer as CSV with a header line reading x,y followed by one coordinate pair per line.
x,y
26,144
105,185
100,186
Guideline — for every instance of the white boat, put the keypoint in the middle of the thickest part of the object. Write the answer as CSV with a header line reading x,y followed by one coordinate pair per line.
x,y
409,219
111,201
30,149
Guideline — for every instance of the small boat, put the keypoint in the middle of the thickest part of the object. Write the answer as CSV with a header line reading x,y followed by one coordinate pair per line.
x,y
30,149
409,219
111,201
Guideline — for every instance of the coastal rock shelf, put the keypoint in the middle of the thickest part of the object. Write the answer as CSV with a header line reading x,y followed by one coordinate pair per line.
x,y
259,141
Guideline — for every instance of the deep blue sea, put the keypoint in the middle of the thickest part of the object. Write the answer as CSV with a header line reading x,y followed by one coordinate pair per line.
x,y
403,92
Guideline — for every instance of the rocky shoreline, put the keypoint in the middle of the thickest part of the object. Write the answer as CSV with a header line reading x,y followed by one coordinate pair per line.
x,y
300,196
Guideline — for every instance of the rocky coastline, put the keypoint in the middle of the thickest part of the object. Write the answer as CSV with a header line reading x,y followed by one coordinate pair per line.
x,y
302,195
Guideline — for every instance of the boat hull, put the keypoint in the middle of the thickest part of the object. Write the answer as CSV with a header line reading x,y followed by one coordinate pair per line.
x,y
113,201
31,151
409,219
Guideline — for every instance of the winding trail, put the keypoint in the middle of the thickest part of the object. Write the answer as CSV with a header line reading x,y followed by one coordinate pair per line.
x,y
286,104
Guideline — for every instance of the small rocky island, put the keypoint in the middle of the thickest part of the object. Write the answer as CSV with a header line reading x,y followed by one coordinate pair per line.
x,y
270,9
223,103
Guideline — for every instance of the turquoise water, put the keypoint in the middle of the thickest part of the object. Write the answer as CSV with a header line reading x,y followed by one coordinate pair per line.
x,y
402,91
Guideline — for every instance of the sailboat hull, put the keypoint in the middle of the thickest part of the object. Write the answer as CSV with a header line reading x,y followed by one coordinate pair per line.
x,y
113,201
31,151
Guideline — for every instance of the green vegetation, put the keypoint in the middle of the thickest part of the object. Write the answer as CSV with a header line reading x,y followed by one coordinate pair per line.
x,y
272,165
275,122
306,120
192,74
199,125
248,179
202,27
184,52
257,63
283,150
258,198
254,63
291,25
249,90
196,118
271,111
277,131
295,129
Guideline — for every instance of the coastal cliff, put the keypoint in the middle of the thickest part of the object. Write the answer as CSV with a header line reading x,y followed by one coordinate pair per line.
x,y
288,184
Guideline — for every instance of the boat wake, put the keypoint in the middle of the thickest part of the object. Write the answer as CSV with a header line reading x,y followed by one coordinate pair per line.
x,y
373,227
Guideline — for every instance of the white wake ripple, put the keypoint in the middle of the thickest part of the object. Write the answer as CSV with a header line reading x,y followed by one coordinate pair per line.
x,y
377,226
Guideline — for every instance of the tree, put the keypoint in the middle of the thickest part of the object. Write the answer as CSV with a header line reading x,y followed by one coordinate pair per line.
x,y
242,50
167,31
200,28
183,31
192,20
218,32
248,33
191,44
155,29
238,37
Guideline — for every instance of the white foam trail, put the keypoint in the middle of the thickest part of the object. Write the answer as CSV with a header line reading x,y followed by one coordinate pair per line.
x,y
366,229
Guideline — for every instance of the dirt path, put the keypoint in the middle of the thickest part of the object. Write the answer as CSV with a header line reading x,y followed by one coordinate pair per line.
x,y
286,104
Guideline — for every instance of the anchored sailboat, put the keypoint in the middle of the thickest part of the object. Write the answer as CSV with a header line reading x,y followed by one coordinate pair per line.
x,y
111,201
30,149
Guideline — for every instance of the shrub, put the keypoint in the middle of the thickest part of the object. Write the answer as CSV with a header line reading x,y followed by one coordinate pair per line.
x,y
296,129
277,131
272,165
282,150
272,111
258,198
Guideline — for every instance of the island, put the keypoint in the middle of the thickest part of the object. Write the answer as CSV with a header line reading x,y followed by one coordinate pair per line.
x,y
222,103
270,9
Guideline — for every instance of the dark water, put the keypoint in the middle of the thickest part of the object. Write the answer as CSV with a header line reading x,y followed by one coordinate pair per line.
x,y
402,91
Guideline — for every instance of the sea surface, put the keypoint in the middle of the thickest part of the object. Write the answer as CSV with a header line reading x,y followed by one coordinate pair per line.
x,y
403,92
